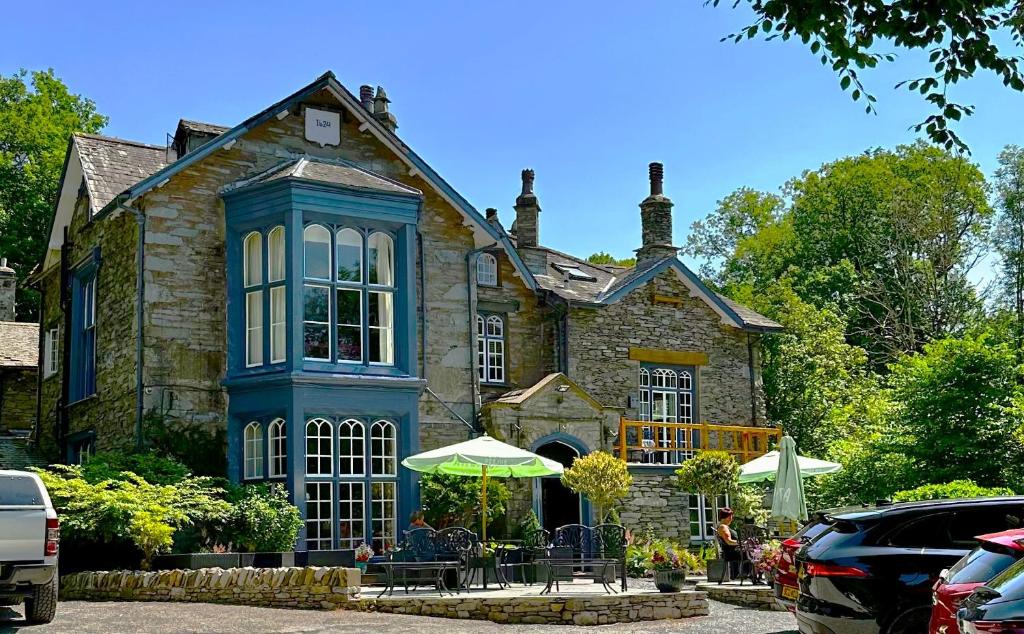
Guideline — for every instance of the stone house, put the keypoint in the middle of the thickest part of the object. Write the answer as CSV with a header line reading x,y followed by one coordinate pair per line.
x,y
309,283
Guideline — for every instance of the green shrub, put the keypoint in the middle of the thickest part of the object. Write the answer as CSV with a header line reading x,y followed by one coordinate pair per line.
x,y
526,526
130,507
153,468
200,447
455,500
709,473
642,547
748,504
954,489
601,478
262,520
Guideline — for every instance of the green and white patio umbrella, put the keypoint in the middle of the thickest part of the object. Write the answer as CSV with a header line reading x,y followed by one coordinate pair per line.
x,y
766,467
483,457
788,500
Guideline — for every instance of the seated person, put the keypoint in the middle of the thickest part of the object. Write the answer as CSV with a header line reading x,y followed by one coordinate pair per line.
x,y
728,541
416,521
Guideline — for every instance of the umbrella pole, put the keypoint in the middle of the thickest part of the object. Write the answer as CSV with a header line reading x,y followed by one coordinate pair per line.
x,y
483,501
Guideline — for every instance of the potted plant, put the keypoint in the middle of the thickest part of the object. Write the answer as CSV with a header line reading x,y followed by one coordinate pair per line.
x,y
363,554
669,570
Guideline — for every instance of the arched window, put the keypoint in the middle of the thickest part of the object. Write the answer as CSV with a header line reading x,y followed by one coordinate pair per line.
x,y
275,254
381,259
316,241
381,298
277,438
252,276
487,270
349,296
351,448
383,448
349,257
253,451
490,348
668,396
319,447
685,397
276,277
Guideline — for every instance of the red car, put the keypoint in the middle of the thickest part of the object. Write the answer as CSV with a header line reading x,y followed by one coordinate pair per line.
x,y
787,589
995,552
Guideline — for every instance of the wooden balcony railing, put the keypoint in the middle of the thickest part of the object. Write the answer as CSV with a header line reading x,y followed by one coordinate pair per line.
x,y
647,442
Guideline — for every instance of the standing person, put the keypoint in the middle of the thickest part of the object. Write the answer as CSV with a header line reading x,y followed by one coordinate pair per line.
x,y
728,541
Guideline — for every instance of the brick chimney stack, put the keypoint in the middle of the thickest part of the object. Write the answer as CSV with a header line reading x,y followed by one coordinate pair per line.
x,y
380,110
8,287
656,220
527,214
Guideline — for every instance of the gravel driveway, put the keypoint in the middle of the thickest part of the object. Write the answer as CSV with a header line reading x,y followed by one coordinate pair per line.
x,y
79,616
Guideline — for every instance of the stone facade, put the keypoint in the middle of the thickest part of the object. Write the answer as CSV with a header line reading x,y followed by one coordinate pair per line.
x,y
655,501
18,398
312,587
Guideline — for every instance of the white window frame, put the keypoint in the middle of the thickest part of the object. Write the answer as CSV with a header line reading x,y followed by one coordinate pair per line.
x,y
490,348
254,329
322,491
252,441
486,270
354,432
277,439
321,440
50,353
707,517
351,513
383,448
384,525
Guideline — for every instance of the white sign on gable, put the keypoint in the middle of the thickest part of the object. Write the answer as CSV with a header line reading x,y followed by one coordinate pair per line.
x,y
323,127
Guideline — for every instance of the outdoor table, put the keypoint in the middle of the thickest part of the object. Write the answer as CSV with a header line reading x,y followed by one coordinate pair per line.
x,y
438,568
556,571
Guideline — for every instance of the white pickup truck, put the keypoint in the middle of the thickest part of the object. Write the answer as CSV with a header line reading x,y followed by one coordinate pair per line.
x,y
29,538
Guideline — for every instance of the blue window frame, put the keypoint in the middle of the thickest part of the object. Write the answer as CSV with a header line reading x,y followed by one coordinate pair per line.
x,y
83,329
668,395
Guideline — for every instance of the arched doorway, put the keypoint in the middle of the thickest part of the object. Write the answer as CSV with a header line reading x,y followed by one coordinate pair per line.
x,y
557,505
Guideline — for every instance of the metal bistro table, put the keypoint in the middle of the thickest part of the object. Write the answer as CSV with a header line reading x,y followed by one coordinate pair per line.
x,y
438,568
565,570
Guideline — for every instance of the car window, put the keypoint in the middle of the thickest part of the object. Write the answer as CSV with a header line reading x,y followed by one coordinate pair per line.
x,y
929,531
978,566
969,523
809,532
1010,582
18,490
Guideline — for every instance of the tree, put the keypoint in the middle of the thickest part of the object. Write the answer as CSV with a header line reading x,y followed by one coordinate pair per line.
x,y
960,38
1008,238
601,478
601,258
38,114
709,473
450,500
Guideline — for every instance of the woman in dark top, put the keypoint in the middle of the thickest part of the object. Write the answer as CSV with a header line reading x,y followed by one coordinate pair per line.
x,y
728,541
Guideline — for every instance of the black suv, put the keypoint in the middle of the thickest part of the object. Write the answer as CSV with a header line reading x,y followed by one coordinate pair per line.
x,y
873,569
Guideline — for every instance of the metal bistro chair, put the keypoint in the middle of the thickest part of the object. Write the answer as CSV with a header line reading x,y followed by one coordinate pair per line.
x,y
456,544
533,546
609,542
751,539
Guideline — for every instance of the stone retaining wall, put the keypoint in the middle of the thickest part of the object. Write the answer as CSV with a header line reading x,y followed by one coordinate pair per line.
x,y
593,610
318,588
757,597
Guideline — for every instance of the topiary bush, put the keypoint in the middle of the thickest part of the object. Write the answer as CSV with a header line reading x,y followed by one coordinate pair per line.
x,y
601,478
709,473
954,489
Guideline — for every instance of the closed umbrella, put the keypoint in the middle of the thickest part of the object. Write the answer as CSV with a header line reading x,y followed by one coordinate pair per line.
x,y
788,501
483,457
764,468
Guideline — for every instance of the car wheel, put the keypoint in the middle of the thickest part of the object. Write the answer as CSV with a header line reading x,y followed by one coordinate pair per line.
x,y
42,605
913,621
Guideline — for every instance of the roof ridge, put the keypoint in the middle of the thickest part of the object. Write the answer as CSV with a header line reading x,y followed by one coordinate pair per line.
x,y
115,139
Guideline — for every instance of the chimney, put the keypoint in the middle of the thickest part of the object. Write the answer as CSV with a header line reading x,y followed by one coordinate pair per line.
x,y
527,214
366,97
380,110
8,286
656,220
492,217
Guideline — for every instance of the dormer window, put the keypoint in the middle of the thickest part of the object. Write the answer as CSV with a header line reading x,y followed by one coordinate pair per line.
x,y
573,272
486,270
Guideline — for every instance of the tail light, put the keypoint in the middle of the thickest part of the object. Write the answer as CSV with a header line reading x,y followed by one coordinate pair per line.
x,y
998,627
52,536
828,570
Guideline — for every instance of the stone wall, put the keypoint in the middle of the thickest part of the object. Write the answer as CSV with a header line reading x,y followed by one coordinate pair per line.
x,y
749,596
655,501
600,339
317,588
18,398
553,610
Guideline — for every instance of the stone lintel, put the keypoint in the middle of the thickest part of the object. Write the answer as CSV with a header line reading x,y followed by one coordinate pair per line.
x,y
673,357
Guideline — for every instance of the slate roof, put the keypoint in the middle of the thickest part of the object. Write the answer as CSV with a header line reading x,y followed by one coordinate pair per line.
x,y
518,397
749,315
111,165
16,453
203,128
19,344
332,173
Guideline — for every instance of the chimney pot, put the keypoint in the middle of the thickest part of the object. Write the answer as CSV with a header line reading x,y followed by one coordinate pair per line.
x,y
657,172
491,212
380,110
366,97
656,220
528,177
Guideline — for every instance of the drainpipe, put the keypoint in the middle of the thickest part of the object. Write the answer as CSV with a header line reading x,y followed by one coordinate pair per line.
x,y
62,423
471,296
37,427
753,382
140,289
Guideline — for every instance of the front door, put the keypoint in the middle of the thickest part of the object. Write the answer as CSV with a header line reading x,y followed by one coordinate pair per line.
x,y
559,505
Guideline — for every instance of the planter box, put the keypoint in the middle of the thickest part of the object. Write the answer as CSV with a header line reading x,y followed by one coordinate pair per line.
x,y
193,561
331,558
267,560
718,571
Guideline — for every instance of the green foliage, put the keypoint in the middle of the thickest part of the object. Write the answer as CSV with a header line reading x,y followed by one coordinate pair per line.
x,y
606,258
145,513
38,115
709,473
450,500
872,470
151,467
1008,239
262,519
845,36
601,478
526,526
747,502
202,448
646,553
954,489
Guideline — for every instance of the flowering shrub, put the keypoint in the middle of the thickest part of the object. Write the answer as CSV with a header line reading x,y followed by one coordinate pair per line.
x,y
666,560
645,554
766,556
363,552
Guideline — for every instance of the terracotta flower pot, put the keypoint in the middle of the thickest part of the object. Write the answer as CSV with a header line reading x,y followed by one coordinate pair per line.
x,y
670,580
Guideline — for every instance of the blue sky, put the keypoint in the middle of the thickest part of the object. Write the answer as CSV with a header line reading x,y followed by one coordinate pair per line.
x,y
586,93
